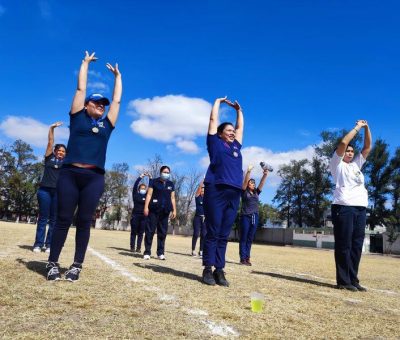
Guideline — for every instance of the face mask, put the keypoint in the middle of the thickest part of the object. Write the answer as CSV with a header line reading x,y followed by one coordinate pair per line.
x,y
142,191
164,175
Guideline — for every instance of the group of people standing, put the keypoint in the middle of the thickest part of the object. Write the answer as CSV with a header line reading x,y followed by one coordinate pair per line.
x,y
73,180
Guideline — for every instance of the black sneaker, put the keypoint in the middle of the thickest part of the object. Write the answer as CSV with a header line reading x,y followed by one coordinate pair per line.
x,y
53,271
138,250
208,277
220,279
348,287
359,287
72,274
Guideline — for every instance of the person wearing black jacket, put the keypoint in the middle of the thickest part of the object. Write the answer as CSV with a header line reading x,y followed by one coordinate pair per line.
x,y
138,220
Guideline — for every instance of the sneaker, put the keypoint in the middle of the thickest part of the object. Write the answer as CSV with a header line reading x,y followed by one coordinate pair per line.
x,y
47,250
200,254
72,274
220,279
208,277
37,249
132,250
146,257
348,287
53,271
161,257
359,287
248,261
244,262
138,250
193,253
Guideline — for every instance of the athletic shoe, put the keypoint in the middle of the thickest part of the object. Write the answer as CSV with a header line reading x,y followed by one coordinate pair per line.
x,y
193,253
248,261
161,257
37,249
208,277
359,287
138,250
72,274
200,254
47,250
220,279
53,271
132,250
146,257
348,287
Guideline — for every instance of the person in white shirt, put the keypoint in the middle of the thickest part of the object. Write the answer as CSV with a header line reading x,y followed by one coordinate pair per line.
x,y
350,200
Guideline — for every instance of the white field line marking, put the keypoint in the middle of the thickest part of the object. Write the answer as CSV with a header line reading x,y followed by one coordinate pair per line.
x,y
220,329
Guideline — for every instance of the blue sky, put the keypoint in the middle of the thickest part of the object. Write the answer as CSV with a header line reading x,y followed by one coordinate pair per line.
x,y
296,67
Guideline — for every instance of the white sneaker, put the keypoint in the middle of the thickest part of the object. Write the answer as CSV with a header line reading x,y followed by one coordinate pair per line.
x,y
146,257
37,249
200,254
47,250
161,257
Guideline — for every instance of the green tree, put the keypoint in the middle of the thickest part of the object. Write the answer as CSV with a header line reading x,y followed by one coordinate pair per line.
x,y
395,187
330,141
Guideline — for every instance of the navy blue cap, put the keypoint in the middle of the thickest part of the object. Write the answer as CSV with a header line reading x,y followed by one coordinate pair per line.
x,y
97,97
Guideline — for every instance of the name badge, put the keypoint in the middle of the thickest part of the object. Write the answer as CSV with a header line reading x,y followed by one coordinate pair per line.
x,y
169,188
235,154
144,198
155,201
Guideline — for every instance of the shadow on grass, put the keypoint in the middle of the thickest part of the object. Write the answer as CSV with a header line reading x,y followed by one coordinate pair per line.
x,y
38,267
160,269
183,254
295,279
26,247
127,252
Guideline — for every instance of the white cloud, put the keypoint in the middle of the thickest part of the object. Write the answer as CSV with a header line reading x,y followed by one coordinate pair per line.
x,y
2,10
172,118
98,86
254,155
31,130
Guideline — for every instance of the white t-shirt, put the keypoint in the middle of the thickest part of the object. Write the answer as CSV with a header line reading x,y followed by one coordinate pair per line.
x,y
349,181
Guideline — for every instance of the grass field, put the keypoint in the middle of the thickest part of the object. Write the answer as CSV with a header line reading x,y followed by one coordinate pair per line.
x,y
120,295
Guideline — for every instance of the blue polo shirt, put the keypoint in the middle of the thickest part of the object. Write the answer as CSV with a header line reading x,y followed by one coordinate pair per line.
x,y
85,146
52,167
225,162
161,197
138,199
199,205
250,202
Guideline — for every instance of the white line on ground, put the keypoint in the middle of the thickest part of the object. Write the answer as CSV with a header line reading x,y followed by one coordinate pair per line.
x,y
220,329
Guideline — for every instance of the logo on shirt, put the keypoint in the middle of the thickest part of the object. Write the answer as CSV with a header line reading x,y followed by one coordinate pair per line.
x,y
169,188
100,124
235,154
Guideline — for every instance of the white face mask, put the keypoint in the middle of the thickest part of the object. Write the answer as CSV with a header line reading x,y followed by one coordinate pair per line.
x,y
165,175
142,191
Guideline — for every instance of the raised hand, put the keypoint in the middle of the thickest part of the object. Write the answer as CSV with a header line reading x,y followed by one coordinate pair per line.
x,y
56,124
222,100
250,167
89,57
114,69
361,123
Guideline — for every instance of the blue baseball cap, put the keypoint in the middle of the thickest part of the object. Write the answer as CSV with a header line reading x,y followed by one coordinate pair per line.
x,y
97,97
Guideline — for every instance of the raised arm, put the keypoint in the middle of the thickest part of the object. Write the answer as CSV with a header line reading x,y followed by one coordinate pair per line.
x,y
50,140
341,149
247,177
213,125
367,141
79,99
135,186
198,191
116,99
262,181
239,120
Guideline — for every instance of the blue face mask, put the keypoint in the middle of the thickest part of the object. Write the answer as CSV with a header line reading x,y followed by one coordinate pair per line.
x,y
142,191
165,175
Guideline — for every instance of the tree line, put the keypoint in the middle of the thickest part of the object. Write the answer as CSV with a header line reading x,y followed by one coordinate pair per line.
x,y
302,198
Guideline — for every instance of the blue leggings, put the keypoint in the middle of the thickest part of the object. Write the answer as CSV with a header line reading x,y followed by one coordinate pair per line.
x,y
138,224
221,203
248,228
199,228
47,198
82,188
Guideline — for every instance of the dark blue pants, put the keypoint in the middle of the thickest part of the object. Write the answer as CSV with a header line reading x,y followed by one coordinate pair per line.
x,y
158,220
80,188
248,228
138,224
47,198
221,203
349,230
199,228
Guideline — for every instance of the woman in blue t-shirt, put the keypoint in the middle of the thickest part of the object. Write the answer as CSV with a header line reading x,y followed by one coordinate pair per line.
x,y
159,207
199,225
223,185
138,220
81,181
47,193
249,214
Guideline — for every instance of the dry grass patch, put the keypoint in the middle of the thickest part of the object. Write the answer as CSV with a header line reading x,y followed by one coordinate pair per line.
x,y
169,301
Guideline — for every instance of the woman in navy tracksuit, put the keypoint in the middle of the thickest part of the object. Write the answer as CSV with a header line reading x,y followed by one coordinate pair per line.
x,y
81,181
199,226
223,185
138,220
159,207
249,214
47,193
